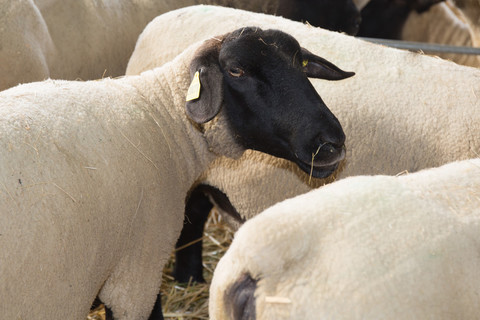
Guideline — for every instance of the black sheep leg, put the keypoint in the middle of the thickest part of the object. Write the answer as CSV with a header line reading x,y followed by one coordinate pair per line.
x,y
157,313
108,312
188,261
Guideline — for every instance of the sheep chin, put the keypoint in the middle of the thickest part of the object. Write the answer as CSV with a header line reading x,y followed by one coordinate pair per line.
x,y
320,168
316,171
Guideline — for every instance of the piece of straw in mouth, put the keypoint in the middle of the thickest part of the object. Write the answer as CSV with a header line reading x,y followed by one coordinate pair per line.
x,y
313,158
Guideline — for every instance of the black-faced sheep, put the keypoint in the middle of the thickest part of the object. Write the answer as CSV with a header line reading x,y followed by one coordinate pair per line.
x,y
385,18
401,112
94,175
450,22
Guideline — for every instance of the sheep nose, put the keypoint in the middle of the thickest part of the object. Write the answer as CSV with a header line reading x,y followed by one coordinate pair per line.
x,y
334,139
328,153
328,148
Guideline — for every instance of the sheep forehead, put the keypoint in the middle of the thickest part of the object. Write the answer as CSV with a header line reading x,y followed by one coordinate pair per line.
x,y
260,45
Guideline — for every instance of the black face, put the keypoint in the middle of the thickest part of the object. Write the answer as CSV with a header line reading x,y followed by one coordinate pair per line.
x,y
335,15
272,106
386,18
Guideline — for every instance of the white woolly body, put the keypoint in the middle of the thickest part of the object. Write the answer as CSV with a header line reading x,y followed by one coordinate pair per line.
x,y
26,44
369,247
93,178
401,111
81,39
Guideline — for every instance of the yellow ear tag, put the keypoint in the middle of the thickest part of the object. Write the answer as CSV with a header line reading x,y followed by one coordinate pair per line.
x,y
194,89
304,63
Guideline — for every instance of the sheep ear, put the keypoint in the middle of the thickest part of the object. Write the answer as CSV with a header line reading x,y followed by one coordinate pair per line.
x,y
317,67
205,95
239,299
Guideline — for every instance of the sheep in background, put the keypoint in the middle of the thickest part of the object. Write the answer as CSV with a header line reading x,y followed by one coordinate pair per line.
x,y
368,247
91,39
442,24
335,15
422,21
93,175
471,14
402,111
385,18
26,46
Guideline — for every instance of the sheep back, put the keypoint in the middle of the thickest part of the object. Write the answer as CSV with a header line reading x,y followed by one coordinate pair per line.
x,y
401,112
381,246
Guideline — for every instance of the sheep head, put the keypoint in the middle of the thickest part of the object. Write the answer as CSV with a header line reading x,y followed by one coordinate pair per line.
x,y
259,78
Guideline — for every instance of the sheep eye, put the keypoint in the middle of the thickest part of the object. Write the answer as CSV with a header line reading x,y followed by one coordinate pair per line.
x,y
236,72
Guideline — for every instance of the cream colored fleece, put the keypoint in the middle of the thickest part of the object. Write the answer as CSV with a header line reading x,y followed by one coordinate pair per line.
x,y
81,39
401,111
96,38
370,247
93,177
26,48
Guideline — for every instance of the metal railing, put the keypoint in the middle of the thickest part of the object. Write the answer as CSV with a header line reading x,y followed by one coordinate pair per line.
x,y
425,47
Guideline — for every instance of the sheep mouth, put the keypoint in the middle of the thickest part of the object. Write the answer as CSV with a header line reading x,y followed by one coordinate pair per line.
x,y
318,171
321,168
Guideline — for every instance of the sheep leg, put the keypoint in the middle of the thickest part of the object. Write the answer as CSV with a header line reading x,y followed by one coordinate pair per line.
x,y
108,311
188,260
132,287
157,313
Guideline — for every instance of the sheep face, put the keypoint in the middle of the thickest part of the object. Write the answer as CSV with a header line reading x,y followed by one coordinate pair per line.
x,y
260,78
385,18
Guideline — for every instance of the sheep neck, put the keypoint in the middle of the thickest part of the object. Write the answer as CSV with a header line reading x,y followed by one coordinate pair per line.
x,y
163,89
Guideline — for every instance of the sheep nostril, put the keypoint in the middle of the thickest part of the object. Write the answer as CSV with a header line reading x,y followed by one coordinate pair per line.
x,y
324,148
335,138
328,149
331,148
330,145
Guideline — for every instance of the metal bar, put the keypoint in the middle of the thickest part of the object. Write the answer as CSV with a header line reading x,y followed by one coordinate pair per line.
x,y
426,47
